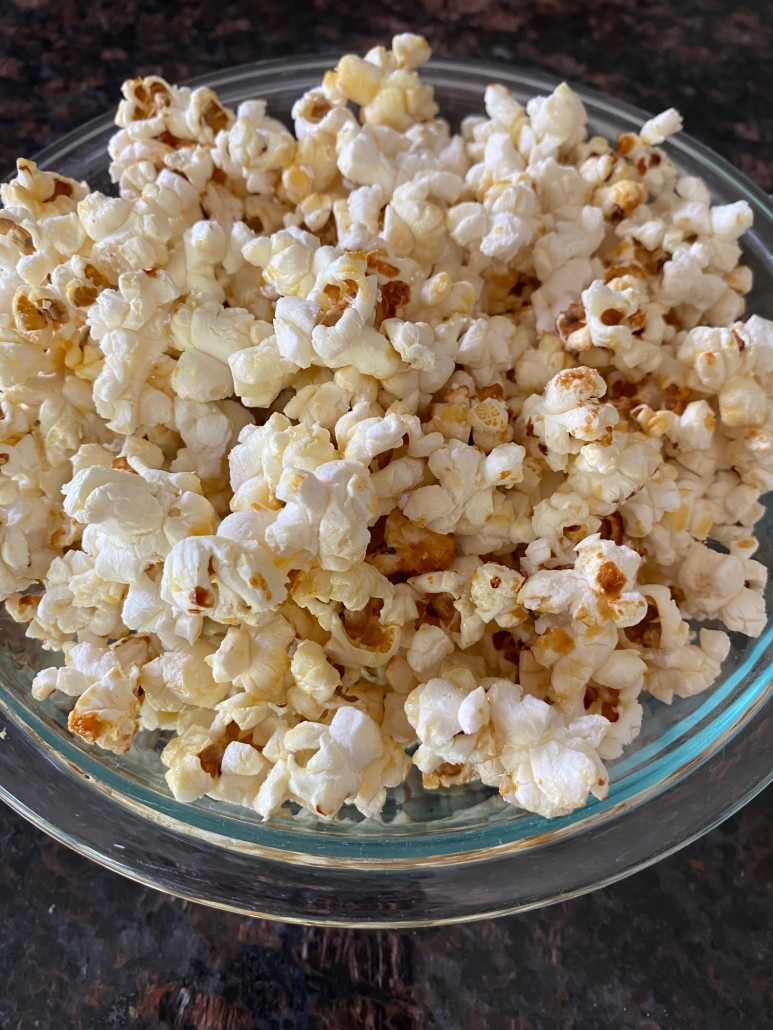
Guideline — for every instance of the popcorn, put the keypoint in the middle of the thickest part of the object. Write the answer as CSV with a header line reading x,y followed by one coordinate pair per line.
x,y
491,416
133,519
611,473
656,130
401,99
362,162
410,549
255,148
260,373
202,324
712,356
76,600
313,673
675,666
715,586
200,378
570,414
546,765
41,194
742,402
519,744
596,591
613,315
187,778
494,591
242,772
129,326
224,579
107,708
342,764
184,672
428,646
463,500
326,514
437,709
286,260
255,658
412,341
206,431
613,694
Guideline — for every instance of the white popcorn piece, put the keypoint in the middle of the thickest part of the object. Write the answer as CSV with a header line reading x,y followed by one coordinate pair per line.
x,y
242,772
370,437
436,710
255,658
106,712
200,378
129,326
207,431
613,694
134,519
203,324
225,579
715,586
712,357
372,646
401,99
312,671
186,756
494,591
429,645
572,651
361,160
33,188
645,508
612,316
547,766
570,414
658,129
185,674
341,769
689,670
559,512
729,221
263,452
597,590
557,121
294,321
255,148
76,600
326,514
612,473
742,402
463,500
286,260
412,341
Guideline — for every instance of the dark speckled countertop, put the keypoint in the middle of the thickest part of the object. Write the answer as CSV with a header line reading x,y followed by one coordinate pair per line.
x,y
686,944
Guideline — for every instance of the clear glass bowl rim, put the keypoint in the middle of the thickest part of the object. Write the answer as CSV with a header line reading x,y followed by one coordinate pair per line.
x,y
282,865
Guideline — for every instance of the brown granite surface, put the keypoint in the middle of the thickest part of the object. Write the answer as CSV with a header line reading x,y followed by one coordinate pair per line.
x,y
687,944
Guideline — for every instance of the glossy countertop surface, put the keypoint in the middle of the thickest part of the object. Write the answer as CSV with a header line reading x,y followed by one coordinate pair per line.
x,y
686,944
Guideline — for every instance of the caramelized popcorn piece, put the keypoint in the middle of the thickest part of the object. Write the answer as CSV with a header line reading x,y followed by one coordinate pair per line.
x,y
408,550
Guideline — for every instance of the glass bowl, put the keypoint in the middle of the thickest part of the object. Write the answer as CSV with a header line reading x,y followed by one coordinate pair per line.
x,y
432,856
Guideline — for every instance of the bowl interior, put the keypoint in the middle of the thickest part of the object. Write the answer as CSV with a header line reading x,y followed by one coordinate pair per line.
x,y
417,823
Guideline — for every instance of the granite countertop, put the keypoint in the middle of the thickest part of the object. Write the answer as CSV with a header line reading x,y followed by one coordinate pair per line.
x,y
686,944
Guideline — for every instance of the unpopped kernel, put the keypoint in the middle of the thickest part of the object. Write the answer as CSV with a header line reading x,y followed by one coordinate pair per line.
x,y
327,452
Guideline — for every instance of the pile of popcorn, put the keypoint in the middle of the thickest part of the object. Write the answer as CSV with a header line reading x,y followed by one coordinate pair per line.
x,y
329,453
